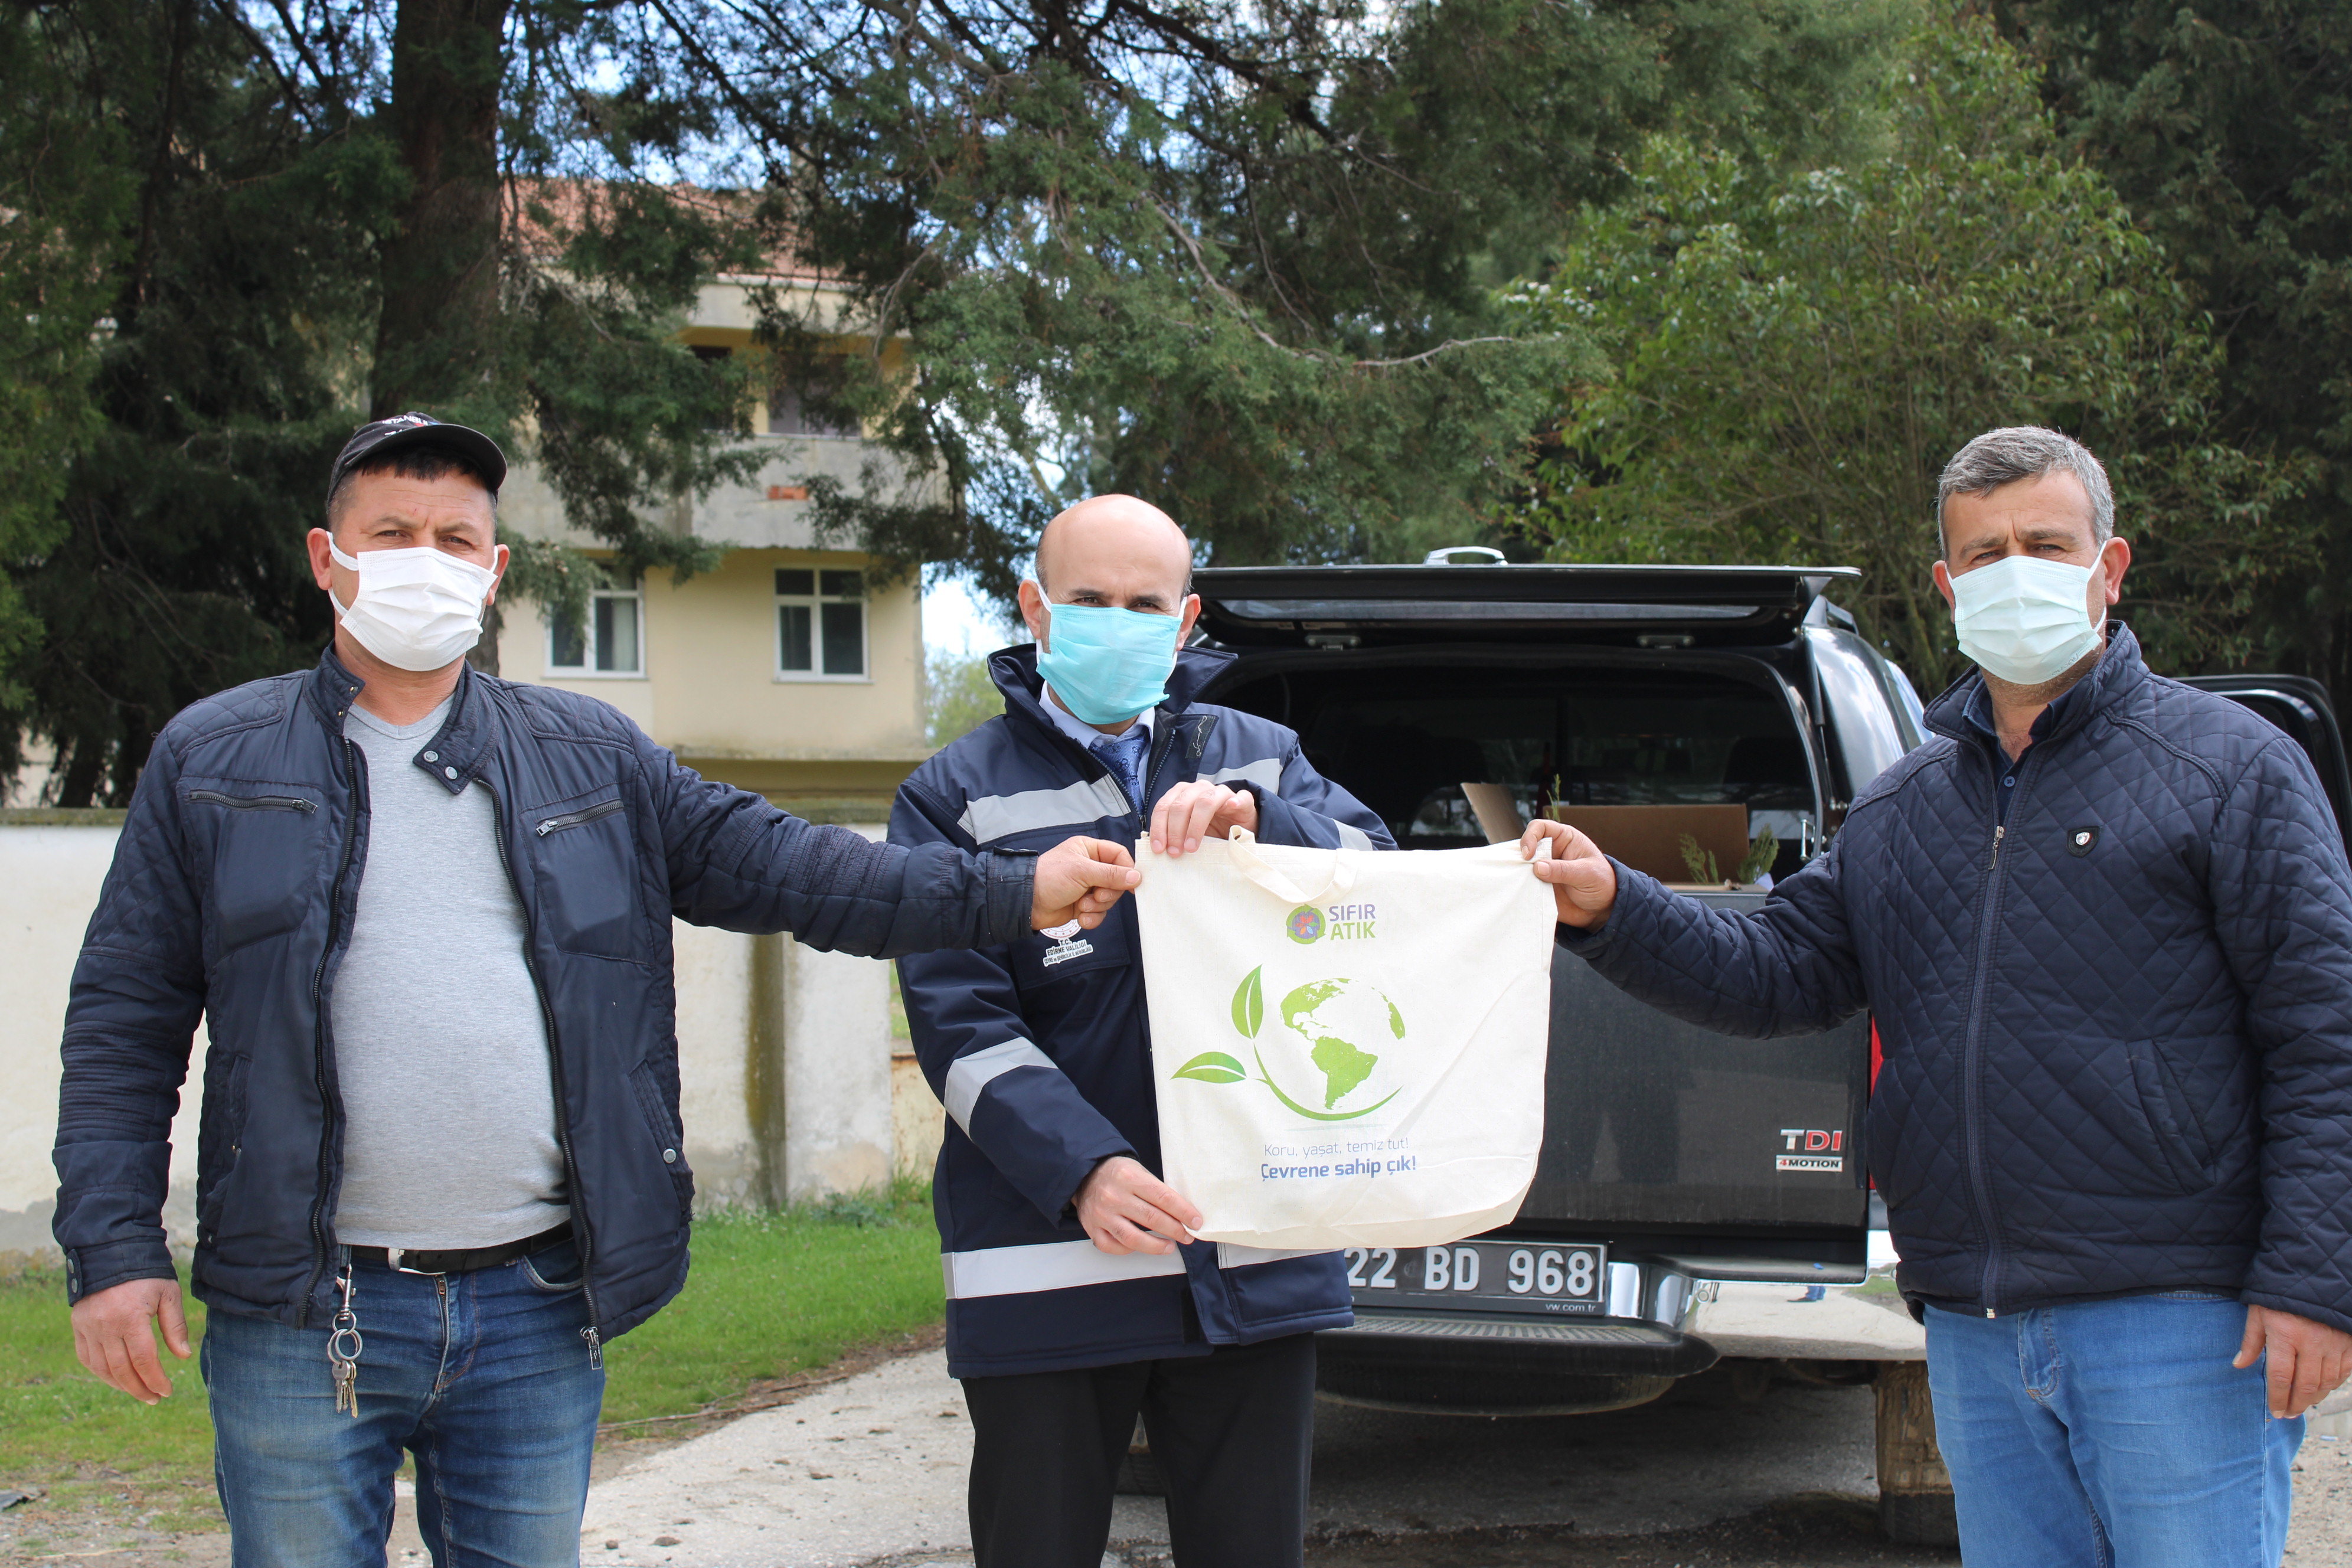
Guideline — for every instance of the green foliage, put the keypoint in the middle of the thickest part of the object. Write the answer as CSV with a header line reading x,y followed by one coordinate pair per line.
x,y
64,201
620,416
1233,259
200,216
1762,850
221,393
1797,354
958,695
2229,130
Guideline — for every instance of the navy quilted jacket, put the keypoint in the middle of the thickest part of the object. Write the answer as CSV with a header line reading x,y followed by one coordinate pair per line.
x,y
2117,1032
231,896
1042,1051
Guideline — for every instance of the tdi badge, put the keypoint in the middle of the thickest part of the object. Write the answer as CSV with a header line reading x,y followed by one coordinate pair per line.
x,y
2079,841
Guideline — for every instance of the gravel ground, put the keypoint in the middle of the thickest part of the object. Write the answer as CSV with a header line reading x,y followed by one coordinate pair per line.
x,y
869,1471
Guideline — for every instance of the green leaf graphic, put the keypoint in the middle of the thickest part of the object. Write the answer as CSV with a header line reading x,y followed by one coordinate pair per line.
x,y
1213,1067
1249,1005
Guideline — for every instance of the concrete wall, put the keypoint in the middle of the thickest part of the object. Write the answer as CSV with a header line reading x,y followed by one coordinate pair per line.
x,y
52,874
785,1054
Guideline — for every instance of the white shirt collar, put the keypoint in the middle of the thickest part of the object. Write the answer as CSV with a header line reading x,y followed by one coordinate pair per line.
x,y
1086,735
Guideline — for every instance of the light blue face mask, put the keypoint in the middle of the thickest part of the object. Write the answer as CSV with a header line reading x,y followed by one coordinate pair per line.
x,y
1106,665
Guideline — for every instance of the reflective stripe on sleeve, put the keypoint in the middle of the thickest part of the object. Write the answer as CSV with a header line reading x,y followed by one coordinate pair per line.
x,y
967,1076
1266,773
995,816
1049,1266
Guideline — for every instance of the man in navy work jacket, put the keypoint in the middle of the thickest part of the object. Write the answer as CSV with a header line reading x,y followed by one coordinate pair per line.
x,y
1076,1295
2105,924
425,914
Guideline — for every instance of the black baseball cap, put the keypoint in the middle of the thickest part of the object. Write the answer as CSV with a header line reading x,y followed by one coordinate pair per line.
x,y
382,438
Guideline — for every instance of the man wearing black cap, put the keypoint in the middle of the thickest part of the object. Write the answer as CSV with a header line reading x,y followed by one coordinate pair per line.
x,y
424,914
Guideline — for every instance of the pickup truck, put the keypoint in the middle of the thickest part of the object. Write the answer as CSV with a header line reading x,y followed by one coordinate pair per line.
x,y
1682,1170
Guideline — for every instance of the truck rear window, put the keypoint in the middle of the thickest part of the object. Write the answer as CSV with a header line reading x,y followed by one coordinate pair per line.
x,y
1407,742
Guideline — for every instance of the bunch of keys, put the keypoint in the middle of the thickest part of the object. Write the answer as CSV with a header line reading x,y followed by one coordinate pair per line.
x,y
343,1347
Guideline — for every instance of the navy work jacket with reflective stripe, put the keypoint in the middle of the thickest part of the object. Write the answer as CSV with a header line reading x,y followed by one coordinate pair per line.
x,y
1042,1052
2118,1025
231,897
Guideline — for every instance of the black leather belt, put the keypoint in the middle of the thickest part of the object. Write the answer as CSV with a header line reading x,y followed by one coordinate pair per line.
x,y
464,1260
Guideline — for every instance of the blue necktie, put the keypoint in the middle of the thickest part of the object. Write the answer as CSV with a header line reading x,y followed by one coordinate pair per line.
x,y
1124,755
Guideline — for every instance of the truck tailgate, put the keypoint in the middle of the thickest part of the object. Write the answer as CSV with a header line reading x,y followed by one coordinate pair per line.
x,y
1744,1155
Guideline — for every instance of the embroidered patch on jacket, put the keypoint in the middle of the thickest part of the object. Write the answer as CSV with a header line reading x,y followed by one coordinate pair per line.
x,y
2079,841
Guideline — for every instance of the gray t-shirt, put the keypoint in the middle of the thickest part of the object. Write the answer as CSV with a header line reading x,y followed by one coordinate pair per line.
x,y
440,1046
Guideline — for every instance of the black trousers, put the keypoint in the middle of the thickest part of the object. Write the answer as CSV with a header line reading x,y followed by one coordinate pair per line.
x,y
1231,1432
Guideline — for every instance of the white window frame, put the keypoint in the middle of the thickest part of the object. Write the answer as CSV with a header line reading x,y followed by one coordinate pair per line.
x,y
814,603
586,670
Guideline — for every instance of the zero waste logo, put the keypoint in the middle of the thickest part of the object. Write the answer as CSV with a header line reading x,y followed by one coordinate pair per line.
x,y
1306,923
1326,1029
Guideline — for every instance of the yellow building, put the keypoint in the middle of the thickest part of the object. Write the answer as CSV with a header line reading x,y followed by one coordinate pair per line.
x,y
792,669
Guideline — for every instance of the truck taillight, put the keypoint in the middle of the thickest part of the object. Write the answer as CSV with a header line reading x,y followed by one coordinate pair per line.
x,y
1877,1059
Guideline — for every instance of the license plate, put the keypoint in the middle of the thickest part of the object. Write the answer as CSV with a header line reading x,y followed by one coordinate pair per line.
x,y
1531,1276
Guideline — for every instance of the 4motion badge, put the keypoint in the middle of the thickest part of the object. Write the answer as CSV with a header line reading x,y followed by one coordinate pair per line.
x,y
1811,1149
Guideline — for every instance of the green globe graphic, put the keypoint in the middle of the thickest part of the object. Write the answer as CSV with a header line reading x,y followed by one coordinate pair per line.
x,y
1340,1020
1338,1029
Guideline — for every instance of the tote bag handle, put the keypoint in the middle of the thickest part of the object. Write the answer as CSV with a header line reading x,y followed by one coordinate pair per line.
x,y
1242,845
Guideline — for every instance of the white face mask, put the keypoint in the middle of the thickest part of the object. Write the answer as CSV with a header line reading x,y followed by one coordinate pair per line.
x,y
2025,619
415,609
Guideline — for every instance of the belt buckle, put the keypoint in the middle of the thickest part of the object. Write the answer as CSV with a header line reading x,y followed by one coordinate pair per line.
x,y
394,1254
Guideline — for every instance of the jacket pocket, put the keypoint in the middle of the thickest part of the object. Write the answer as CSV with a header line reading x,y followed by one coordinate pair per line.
x,y
264,848
252,802
1040,962
585,861
669,1139
2172,1121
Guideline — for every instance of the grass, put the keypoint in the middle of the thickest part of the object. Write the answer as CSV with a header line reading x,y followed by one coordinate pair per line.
x,y
773,1293
770,1294
63,1429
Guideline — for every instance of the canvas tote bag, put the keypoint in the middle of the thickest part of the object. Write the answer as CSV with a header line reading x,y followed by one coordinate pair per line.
x,y
1348,1045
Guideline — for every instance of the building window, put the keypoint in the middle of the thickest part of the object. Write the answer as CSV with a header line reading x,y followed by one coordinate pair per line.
x,y
793,412
820,624
611,641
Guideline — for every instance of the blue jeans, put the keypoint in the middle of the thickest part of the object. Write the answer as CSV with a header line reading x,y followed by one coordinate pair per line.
x,y
483,1376
2110,1433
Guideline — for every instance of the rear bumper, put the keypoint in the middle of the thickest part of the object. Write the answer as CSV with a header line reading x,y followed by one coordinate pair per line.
x,y
1486,1361
1663,1322
1782,1321
1463,1341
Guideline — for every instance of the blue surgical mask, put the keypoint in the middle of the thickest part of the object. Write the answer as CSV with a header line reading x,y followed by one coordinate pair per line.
x,y
1106,664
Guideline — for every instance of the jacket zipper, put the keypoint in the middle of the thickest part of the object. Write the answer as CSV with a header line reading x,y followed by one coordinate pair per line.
x,y
1163,743
580,1229
1972,1063
320,1043
597,811
254,802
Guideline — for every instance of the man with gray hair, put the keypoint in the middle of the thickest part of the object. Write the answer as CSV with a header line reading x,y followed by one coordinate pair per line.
x,y
2104,923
